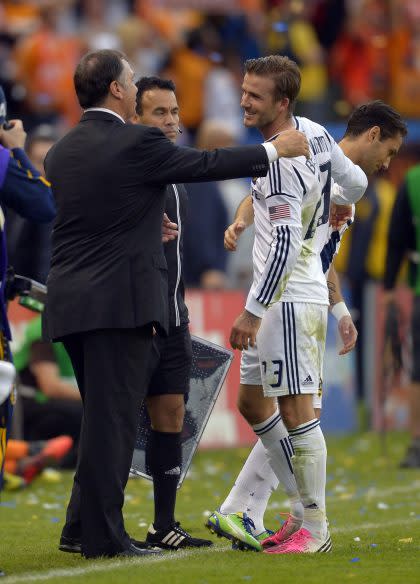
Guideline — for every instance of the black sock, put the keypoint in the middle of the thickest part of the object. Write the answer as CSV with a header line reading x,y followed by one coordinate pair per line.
x,y
163,462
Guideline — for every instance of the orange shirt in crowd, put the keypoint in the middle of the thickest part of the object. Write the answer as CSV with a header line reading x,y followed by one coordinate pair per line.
x,y
45,66
404,87
189,71
19,17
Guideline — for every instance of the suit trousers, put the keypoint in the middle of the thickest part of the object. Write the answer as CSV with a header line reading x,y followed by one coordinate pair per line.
x,y
112,374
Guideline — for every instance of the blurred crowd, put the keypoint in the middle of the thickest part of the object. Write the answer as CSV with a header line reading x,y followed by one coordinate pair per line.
x,y
349,52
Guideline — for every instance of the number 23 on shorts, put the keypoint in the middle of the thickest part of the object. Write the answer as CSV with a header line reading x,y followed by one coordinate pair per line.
x,y
273,372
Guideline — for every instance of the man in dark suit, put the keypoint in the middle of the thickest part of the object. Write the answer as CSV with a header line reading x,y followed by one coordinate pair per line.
x,y
107,286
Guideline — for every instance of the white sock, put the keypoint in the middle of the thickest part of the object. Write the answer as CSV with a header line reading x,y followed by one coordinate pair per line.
x,y
275,438
263,485
247,482
309,464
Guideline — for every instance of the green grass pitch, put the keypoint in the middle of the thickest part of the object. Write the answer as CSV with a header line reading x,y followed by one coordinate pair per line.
x,y
373,508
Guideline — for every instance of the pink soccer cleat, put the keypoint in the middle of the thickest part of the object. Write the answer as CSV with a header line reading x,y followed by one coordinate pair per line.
x,y
289,527
302,542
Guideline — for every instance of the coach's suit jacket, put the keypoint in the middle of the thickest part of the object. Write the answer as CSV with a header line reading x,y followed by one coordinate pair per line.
x,y
108,269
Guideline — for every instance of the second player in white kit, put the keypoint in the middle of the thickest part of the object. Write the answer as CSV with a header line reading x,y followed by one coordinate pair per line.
x,y
291,209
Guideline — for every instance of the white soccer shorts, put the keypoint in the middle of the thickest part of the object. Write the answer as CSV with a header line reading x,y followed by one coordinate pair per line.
x,y
251,373
291,345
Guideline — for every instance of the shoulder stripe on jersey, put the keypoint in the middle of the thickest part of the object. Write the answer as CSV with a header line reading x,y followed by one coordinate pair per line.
x,y
297,122
277,265
277,163
277,254
300,179
275,177
274,265
273,188
276,276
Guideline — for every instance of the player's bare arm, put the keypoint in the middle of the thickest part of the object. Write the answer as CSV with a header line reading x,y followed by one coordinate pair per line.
x,y
346,328
244,330
244,217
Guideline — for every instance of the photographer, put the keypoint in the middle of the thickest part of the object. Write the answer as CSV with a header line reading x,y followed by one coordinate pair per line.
x,y
26,191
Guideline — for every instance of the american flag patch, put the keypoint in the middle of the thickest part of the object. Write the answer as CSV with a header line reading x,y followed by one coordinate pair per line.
x,y
279,211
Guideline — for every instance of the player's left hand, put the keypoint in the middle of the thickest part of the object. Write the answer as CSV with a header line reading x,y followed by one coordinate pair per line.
x,y
169,229
244,331
348,334
339,215
232,235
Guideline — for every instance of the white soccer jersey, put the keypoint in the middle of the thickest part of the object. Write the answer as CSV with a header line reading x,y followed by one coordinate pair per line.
x,y
291,210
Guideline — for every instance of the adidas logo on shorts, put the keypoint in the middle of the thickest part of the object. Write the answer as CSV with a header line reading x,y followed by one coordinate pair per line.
x,y
307,381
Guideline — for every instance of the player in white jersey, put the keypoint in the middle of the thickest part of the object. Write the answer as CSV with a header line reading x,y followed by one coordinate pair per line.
x,y
286,242
372,145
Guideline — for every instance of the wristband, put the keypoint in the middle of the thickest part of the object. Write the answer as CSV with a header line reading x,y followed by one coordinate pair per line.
x,y
339,310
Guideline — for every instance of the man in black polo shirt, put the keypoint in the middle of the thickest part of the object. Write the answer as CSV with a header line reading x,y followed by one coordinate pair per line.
x,y
157,106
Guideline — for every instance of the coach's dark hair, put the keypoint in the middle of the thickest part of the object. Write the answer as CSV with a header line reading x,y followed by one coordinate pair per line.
x,y
94,74
376,113
284,72
148,83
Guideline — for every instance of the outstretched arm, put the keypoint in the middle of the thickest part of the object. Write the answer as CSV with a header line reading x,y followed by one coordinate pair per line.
x,y
167,163
244,217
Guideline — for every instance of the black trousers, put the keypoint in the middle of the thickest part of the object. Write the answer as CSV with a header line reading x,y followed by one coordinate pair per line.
x,y
111,370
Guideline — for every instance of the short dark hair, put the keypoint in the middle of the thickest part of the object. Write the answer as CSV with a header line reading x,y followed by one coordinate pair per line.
x,y
94,74
148,83
376,113
284,72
